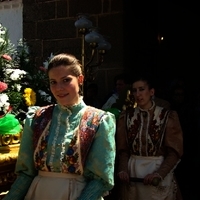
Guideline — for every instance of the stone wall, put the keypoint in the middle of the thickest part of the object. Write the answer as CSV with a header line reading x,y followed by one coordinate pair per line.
x,y
48,27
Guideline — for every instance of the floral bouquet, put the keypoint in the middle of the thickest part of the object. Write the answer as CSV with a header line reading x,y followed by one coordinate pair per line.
x,y
22,84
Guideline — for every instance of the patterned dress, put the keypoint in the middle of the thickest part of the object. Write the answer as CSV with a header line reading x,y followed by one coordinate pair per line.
x,y
147,142
68,156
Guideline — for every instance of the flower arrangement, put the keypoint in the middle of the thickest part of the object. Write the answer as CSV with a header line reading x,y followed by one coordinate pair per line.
x,y
22,84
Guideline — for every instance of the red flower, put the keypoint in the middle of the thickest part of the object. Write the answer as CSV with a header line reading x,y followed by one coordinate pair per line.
x,y
3,86
6,56
43,69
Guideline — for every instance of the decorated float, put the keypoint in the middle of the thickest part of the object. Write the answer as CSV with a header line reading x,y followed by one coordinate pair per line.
x,y
22,84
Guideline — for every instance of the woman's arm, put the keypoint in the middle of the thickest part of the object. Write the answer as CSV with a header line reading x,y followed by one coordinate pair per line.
x,y
122,148
99,166
173,142
25,166
122,145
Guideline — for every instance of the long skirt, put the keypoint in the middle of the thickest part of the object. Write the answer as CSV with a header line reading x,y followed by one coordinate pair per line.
x,y
55,186
141,166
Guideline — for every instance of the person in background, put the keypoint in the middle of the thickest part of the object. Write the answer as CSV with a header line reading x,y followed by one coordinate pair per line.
x,y
67,150
149,143
91,96
161,102
120,84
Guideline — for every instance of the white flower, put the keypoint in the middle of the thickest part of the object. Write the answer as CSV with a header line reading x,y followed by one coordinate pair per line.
x,y
2,30
4,104
48,99
18,86
8,65
45,96
17,74
8,71
2,40
3,98
42,93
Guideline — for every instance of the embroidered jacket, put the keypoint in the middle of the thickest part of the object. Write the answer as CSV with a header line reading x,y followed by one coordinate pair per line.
x,y
74,158
141,126
156,132
56,149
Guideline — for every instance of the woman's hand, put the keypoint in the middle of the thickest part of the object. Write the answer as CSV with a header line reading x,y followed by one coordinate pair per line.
x,y
123,176
152,179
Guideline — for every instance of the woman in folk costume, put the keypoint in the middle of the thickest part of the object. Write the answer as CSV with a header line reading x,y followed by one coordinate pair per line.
x,y
67,150
149,147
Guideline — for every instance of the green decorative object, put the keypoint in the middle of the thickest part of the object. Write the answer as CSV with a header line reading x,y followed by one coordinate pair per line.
x,y
114,111
9,125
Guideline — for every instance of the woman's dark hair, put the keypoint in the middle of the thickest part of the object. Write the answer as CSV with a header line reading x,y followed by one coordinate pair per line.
x,y
67,60
147,77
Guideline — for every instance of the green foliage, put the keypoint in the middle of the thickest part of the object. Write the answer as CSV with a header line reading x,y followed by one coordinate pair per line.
x,y
19,73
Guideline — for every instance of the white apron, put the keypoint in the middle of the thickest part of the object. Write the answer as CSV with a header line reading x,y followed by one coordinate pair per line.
x,y
139,167
55,186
